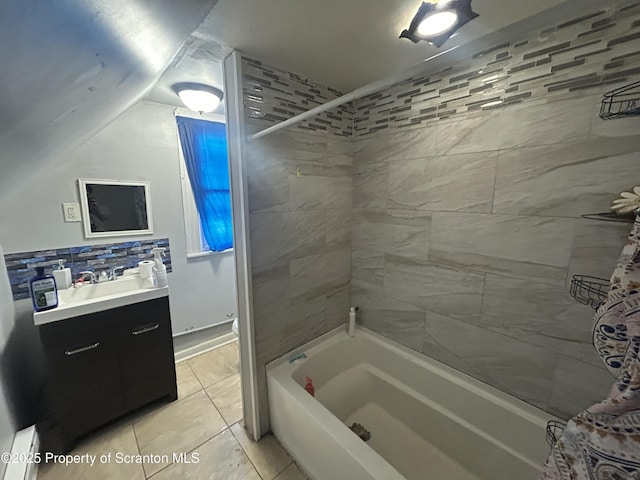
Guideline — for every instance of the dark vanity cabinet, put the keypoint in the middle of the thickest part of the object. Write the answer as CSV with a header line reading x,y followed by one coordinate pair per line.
x,y
103,365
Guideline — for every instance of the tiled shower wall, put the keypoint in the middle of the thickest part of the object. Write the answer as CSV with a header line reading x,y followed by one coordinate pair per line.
x,y
467,219
299,188
462,218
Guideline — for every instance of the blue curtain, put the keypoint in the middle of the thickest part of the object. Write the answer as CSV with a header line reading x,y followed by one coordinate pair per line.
x,y
204,145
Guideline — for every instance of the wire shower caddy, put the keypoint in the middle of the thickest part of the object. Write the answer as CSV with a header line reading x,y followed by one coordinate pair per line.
x,y
621,102
555,429
589,290
611,217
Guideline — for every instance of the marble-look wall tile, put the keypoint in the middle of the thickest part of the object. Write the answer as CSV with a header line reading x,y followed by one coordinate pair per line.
x,y
454,183
336,158
597,247
404,327
270,289
453,292
287,328
546,124
338,228
539,314
515,367
451,133
370,185
316,192
323,274
395,146
577,386
300,191
367,269
534,248
267,182
392,318
566,179
281,236
397,232
268,232
290,145
327,166
338,305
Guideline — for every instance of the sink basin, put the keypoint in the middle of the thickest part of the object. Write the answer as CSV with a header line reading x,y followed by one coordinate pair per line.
x,y
97,290
92,298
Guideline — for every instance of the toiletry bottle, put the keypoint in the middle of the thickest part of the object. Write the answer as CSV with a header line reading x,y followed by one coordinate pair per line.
x,y
159,270
62,276
44,293
310,388
351,329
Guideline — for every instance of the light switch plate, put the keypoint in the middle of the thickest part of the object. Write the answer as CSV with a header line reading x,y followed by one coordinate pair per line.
x,y
71,212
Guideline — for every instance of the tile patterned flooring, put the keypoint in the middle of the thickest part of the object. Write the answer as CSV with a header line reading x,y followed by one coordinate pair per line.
x,y
205,420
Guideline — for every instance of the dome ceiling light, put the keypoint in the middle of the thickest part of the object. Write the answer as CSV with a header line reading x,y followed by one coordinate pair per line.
x,y
198,97
436,23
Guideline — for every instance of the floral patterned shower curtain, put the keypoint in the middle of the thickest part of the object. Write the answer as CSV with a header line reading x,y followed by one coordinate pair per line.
x,y
603,442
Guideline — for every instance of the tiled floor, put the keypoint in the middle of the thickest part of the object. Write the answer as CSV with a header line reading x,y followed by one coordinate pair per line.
x,y
204,423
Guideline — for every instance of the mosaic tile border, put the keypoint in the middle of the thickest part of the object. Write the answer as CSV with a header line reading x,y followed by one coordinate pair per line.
x,y
21,266
593,51
272,95
589,52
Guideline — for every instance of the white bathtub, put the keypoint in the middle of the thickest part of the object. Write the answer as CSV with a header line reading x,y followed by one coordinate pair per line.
x,y
427,421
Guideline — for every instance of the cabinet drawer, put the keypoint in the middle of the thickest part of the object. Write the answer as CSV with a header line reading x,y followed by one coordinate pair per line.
x,y
64,329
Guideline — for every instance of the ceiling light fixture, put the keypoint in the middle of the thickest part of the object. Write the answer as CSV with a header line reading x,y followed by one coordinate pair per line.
x,y
436,23
198,97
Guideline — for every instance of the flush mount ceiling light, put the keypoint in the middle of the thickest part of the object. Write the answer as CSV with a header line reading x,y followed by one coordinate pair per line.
x,y
436,23
198,97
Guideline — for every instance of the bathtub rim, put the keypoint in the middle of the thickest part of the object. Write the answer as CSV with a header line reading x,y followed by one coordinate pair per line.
x,y
280,369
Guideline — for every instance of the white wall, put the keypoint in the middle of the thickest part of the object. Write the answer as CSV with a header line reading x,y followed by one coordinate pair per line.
x,y
7,312
140,145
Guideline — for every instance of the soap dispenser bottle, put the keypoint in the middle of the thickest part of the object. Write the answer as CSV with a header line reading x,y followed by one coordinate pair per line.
x,y
44,293
159,270
62,276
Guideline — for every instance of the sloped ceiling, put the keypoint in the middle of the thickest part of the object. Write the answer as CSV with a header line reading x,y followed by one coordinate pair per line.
x,y
199,60
69,67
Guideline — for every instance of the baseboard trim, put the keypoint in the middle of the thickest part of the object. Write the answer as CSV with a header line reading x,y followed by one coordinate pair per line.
x,y
25,444
205,346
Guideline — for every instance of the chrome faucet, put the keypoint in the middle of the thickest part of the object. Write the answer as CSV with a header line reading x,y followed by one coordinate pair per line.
x,y
113,272
92,276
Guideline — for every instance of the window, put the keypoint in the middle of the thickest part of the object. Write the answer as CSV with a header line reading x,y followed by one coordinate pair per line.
x,y
206,168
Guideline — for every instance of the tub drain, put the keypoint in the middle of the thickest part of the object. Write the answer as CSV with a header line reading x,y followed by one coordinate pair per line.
x,y
359,430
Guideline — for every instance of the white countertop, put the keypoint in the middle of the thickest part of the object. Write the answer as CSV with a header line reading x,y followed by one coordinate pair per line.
x,y
107,302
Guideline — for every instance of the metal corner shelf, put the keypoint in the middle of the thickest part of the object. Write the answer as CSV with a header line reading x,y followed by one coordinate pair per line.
x,y
589,290
610,217
554,429
621,102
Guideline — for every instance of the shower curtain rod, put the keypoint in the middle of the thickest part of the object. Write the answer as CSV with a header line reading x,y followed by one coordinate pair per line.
x,y
357,93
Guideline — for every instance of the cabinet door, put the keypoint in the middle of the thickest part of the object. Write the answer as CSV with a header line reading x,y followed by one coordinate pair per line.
x,y
146,353
84,374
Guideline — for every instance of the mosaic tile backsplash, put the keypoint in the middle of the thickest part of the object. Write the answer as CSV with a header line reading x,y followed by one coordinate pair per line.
x,y
272,95
21,266
598,49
